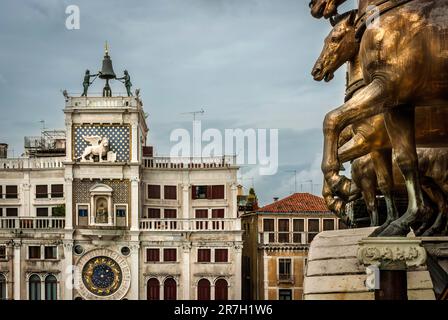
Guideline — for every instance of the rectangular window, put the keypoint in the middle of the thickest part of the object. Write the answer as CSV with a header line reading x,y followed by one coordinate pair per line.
x,y
57,191
82,211
284,269
2,252
221,255
218,213
153,191
200,192
217,192
328,224
169,255
121,211
34,252
153,213
313,229
285,294
12,212
51,252
170,213
170,192
42,191
201,213
283,230
204,255
298,229
11,192
152,255
268,228
42,212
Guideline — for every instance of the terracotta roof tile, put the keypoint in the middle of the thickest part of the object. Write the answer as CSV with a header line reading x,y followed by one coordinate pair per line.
x,y
297,202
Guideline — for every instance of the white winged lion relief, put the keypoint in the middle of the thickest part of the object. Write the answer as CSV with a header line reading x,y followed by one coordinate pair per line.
x,y
98,147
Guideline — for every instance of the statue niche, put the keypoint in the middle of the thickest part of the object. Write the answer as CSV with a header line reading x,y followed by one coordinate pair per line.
x,y
101,204
101,213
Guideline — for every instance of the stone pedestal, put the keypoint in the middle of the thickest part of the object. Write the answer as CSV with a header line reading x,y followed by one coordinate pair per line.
x,y
337,261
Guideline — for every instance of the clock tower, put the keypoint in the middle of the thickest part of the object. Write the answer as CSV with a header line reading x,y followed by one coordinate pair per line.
x,y
105,135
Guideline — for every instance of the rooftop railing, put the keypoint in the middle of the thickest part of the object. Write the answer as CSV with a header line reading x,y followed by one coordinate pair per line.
x,y
32,163
189,224
189,162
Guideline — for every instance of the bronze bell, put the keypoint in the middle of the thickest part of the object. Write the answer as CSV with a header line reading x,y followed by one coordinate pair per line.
x,y
107,71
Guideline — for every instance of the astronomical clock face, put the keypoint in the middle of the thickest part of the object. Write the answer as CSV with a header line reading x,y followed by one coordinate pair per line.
x,y
102,276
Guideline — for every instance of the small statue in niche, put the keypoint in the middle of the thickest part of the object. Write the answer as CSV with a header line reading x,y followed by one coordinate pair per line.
x,y
101,211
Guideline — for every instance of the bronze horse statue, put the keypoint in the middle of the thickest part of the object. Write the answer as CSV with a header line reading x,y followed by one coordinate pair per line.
x,y
403,68
370,135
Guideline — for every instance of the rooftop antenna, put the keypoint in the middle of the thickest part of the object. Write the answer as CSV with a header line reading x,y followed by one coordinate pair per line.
x,y
197,152
194,113
295,179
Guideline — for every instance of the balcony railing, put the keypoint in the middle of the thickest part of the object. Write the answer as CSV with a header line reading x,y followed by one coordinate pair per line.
x,y
285,278
32,163
188,224
189,162
38,223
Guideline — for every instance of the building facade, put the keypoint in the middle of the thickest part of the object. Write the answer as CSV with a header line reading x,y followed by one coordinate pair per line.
x,y
276,243
110,221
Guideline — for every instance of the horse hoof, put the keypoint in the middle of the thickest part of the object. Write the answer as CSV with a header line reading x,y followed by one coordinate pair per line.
x,y
395,230
428,233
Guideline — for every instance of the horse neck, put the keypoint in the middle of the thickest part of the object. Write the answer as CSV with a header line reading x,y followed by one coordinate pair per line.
x,y
354,72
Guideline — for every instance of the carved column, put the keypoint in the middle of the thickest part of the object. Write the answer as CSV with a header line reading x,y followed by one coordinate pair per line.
x,y
67,271
186,273
237,282
185,201
16,270
68,201
393,257
135,276
135,204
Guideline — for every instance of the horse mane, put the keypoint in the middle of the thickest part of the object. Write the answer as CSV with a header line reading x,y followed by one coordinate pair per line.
x,y
340,17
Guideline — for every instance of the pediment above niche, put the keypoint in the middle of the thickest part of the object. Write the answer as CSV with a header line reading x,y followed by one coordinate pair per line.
x,y
101,188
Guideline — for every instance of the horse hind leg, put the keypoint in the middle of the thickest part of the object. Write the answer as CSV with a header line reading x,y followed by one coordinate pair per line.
x,y
437,196
401,129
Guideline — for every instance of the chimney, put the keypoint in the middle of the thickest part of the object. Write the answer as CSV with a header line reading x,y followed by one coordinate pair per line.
x,y
275,199
3,150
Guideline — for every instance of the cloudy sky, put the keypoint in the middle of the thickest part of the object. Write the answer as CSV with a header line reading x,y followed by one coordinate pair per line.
x,y
246,62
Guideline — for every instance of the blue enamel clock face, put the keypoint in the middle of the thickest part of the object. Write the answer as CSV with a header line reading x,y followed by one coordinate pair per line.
x,y
102,276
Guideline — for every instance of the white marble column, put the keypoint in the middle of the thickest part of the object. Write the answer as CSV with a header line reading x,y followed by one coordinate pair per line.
x,y
68,192
67,272
68,134
186,272
135,203
135,276
135,143
16,270
185,201
237,279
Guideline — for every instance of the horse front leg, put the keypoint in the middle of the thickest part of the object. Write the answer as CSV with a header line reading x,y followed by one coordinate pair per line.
x,y
369,102
400,125
382,160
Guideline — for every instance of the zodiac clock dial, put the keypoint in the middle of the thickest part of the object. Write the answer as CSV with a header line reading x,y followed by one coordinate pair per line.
x,y
102,276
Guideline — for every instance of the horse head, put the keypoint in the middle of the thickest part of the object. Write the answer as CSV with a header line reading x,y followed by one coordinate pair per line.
x,y
340,46
325,8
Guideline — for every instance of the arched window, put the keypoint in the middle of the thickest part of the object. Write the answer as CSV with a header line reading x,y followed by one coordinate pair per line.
x,y
169,289
2,287
221,290
204,289
153,289
34,287
51,287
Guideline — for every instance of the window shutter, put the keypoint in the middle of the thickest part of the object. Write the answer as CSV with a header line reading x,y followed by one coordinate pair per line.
x,y
57,190
152,255
169,255
218,192
221,255
153,191
41,191
209,192
218,213
193,192
153,213
201,214
170,192
170,213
